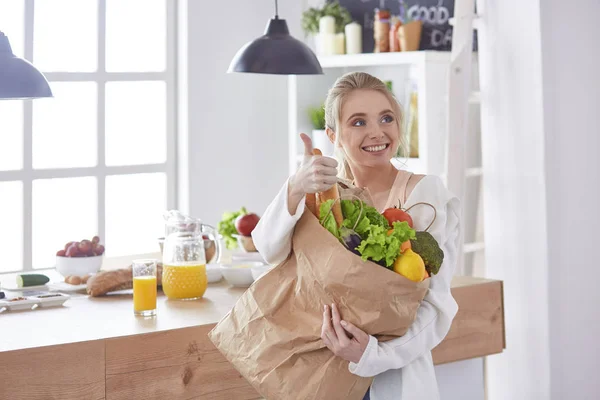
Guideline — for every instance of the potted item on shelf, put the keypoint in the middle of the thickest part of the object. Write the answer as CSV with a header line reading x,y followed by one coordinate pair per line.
x,y
390,86
319,136
326,26
409,32
409,35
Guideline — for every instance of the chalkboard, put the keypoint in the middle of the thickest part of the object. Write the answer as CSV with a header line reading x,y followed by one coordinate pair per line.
x,y
436,34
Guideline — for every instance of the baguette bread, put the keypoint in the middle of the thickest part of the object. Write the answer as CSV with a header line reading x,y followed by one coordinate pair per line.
x,y
119,279
311,198
330,194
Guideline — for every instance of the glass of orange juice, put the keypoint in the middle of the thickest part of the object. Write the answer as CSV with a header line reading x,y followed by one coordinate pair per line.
x,y
184,266
144,287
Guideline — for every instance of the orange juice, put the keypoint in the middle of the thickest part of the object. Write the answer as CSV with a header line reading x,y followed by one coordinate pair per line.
x,y
144,293
185,281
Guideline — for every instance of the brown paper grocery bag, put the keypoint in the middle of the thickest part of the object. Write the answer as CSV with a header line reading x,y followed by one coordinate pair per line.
x,y
272,334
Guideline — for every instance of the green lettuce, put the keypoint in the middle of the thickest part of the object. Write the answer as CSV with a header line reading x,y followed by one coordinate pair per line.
x,y
351,209
380,246
327,219
376,245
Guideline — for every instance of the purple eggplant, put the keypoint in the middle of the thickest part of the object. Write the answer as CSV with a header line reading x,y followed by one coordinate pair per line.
x,y
350,239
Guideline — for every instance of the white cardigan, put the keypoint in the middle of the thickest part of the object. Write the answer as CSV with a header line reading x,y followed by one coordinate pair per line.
x,y
402,367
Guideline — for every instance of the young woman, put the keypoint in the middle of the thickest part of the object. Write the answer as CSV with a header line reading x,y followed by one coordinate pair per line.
x,y
363,120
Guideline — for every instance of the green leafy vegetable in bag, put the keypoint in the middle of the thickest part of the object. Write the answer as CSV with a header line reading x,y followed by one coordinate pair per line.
x,y
379,242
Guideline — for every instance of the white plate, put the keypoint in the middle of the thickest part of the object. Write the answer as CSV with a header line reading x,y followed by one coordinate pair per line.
x,y
17,305
32,302
66,287
14,287
52,299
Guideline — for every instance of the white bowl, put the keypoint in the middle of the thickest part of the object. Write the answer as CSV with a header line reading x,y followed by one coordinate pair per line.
x,y
79,266
260,270
239,274
213,273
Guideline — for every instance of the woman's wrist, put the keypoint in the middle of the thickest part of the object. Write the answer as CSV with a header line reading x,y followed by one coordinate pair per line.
x,y
295,195
294,190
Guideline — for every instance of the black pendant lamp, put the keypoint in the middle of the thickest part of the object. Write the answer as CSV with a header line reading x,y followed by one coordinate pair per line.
x,y
19,79
276,52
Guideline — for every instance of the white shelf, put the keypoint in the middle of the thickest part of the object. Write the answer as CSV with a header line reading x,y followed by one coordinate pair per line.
x,y
380,59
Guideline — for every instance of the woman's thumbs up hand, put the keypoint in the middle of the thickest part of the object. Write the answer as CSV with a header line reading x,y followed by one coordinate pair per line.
x,y
316,173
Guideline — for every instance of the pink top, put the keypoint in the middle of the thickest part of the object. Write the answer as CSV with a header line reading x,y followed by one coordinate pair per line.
x,y
398,190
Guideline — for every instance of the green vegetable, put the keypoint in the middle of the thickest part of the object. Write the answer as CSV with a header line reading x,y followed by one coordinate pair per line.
x,y
327,219
351,209
26,280
425,245
379,245
226,227
376,244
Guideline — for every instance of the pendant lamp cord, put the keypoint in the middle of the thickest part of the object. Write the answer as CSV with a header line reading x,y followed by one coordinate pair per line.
x,y
276,10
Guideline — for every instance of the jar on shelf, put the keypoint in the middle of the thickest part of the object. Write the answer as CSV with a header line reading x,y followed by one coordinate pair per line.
x,y
381,30
395,25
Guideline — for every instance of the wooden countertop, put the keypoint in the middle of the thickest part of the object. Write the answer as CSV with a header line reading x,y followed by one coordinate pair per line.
x,y
95,348
83,318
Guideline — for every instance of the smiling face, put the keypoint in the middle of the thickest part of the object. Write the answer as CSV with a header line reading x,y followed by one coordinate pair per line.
x,y
369,128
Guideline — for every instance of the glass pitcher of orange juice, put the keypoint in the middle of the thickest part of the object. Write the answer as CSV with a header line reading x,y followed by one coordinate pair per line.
x,y
175,221
184,266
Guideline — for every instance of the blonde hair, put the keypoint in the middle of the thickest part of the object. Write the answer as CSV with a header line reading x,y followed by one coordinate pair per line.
x,y
342,87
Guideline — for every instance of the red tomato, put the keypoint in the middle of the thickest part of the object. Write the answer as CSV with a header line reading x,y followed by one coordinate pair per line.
x,y
397,215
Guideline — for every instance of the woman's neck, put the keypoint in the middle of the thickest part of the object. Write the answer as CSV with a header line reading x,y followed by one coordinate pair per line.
x,y
377,180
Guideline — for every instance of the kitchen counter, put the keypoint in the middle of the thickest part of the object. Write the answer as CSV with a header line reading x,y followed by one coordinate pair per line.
x,y
95,348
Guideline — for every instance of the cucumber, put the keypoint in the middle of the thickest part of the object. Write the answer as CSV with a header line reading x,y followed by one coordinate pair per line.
x,y
31,280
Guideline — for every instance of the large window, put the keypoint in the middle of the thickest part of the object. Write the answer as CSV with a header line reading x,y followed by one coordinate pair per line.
x,y
99,157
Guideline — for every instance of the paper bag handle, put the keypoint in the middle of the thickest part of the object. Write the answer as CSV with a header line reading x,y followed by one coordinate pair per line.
x,y
434,213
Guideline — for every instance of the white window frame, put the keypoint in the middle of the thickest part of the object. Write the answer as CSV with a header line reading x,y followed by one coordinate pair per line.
x,y
27,174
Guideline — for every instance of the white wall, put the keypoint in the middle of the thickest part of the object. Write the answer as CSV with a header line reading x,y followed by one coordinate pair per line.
x,y
541,121
515,194
571,57
237,123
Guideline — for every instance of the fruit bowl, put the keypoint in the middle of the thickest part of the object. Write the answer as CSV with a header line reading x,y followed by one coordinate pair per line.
x,y
80,258
79,266
245,243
